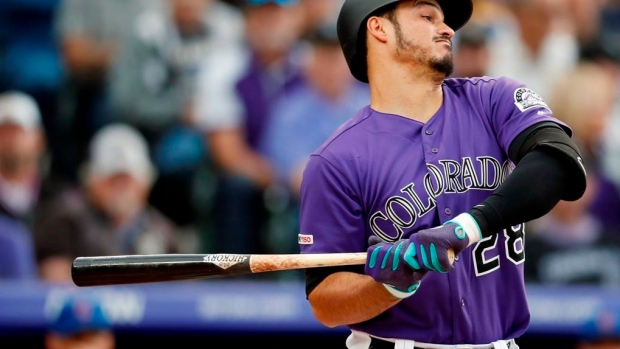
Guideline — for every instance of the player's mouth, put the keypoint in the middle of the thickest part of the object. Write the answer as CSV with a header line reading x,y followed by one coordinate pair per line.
x,y
445,41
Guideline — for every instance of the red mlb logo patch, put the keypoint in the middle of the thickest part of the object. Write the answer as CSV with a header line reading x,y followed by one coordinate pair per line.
x,y
305,239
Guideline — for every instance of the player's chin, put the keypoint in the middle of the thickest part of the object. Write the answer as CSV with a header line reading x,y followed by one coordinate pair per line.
x,y
443,64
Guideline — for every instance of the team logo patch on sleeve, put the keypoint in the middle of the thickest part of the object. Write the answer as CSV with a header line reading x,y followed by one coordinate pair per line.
x,y
526,99
305,239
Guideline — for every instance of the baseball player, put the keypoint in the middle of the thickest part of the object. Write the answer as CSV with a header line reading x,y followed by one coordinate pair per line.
x,y
433,164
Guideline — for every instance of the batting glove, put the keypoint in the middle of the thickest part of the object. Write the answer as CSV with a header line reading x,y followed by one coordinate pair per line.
x,y
428,249
385,264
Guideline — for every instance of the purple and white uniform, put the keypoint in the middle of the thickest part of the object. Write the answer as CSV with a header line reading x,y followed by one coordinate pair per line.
x,y
391,176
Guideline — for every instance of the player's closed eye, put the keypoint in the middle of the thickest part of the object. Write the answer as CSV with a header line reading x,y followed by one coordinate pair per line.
x,y
428,18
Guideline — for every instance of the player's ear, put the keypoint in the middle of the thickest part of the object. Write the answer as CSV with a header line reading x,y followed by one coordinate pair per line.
x,y
377,28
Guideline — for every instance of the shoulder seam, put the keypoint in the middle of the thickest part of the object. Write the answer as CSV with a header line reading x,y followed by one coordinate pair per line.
x,y
342,132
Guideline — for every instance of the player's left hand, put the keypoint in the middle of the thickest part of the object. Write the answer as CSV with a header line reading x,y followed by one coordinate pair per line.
x,y
429,249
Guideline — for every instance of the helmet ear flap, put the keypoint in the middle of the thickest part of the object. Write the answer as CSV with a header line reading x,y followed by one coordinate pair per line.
x,y
359,66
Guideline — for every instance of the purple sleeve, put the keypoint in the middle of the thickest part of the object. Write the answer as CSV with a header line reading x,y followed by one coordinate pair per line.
x,y
331,216
514,107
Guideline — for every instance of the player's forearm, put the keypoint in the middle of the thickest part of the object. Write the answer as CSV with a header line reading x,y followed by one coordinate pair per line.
x,y
346,298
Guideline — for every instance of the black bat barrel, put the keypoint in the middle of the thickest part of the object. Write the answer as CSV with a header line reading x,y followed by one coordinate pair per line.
x,y
136,269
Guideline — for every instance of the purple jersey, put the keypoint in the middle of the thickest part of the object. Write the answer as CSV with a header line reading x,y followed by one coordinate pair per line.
x,y
391,176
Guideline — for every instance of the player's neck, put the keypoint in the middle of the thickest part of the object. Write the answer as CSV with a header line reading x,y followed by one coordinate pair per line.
x,y
417,98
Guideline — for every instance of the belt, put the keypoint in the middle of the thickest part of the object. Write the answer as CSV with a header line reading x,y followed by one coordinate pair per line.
x,y
376,343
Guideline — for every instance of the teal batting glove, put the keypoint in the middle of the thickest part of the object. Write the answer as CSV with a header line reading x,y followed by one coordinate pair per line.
x,y
385,264
429,249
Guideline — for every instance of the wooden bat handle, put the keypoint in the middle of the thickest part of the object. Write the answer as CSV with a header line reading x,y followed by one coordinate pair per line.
x,y
263,263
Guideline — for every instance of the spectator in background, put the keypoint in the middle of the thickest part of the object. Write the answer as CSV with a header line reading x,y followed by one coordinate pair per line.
x,y
109,214
586,17
603,55
318,11
610,26
305,119
270,67
273,30
312,111
579,242
22,154
472,54
78,321
89,34
490,12
29,55
152,83
535,43
585,99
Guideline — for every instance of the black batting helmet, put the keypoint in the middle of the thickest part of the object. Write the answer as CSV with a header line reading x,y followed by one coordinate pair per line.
x,y
352,27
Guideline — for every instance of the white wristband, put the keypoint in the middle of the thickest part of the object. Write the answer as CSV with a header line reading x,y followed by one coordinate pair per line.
x,y
470,226
399,294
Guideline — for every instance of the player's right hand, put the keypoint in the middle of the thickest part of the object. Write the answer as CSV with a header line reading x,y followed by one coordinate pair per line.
x,y
385,264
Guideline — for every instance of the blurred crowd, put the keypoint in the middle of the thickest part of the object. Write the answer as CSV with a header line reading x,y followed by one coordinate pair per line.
x,y
183,126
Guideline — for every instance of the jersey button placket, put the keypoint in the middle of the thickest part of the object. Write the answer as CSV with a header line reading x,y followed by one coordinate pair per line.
x,y
428,141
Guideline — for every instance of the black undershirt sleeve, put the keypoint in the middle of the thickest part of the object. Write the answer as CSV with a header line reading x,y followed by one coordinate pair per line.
x,y
534,187
541,178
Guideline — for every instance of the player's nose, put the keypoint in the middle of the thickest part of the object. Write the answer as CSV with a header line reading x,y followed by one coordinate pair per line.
x,y
445,31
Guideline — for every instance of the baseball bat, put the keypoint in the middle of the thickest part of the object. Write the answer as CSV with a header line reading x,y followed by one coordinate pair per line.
x,y
137,269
